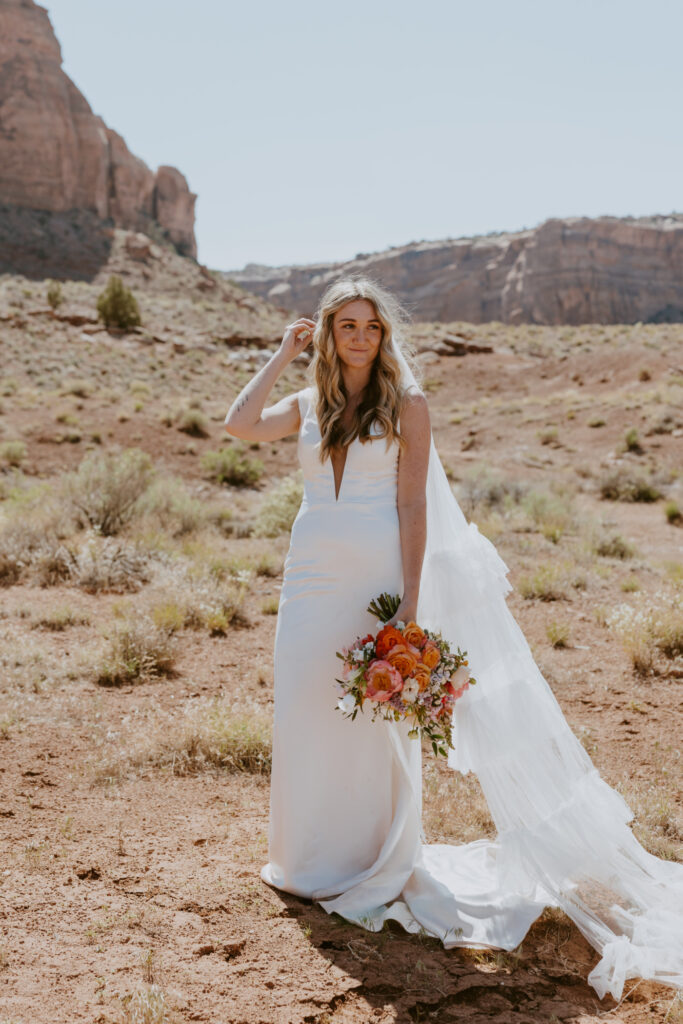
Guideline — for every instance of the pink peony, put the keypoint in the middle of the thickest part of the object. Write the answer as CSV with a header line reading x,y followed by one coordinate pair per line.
x,y
459,682
383,680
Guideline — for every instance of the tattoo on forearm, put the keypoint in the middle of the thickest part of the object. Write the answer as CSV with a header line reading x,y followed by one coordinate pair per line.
x,y
250,388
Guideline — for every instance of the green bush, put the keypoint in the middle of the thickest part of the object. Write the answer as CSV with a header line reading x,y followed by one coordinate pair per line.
x,y
623,484
54,294
193,422
12,453
117,306
673,513
232,466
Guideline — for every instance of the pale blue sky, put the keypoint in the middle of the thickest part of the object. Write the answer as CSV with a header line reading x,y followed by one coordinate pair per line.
x,y
314,130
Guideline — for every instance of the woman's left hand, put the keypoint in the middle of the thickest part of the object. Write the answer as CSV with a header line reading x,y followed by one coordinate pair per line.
x,y
406,612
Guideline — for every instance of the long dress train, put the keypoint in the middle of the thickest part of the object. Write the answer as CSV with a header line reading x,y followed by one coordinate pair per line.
x,y
345,802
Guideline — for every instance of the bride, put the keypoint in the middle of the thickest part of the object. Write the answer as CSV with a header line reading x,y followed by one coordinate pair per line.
x,y
378,514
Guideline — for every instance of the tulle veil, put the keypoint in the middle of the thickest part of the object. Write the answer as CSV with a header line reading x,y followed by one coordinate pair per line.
x,y
560,825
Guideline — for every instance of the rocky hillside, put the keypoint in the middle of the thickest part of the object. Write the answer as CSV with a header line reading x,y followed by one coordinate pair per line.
x,y
64,175
572,271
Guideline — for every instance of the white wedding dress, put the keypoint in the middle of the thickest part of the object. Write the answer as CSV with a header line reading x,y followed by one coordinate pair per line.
x,y
345,804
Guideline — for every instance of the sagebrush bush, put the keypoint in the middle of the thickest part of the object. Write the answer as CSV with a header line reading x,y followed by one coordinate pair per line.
x,y
117,306
483,488
232,466
106,488
12,453
547,583
279,507
193,422
168,501
139,650
54,294
625,484
613,545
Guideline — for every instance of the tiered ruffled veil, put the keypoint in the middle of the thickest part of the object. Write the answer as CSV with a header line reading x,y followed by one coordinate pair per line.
x,y
560,826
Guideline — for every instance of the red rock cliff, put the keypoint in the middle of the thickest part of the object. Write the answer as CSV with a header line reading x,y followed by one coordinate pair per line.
x,y
574,270
57,155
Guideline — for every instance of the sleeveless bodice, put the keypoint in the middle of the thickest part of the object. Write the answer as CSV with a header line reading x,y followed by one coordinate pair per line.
x,y
370,472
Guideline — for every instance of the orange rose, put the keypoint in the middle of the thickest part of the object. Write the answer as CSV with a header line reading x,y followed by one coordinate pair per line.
x,y
431,655
387,638
413,634
401,658
423,676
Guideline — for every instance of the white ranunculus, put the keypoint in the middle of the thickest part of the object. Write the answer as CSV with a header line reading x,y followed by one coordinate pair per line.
x,y
410,690
346,703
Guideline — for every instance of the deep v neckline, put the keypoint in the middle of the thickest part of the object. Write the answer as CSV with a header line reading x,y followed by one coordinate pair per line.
x,y
343,473
336,493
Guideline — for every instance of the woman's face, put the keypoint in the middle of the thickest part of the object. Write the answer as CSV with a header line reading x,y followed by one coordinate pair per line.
x,y
357,333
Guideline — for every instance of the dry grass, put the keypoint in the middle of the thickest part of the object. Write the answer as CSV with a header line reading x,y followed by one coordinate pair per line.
x,y
279,507
218,734
139,650
651,626
106,489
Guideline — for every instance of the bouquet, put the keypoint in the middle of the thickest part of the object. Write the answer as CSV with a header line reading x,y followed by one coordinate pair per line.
x,y
404,672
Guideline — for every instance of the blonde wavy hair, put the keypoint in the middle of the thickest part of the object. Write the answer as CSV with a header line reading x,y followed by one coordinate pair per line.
x,y
384,395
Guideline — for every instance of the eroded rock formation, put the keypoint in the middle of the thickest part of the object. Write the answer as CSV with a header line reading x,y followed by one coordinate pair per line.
x,y
57,156
576,270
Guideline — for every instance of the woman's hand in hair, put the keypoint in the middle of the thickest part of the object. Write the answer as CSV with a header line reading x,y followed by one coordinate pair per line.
x,y
296,337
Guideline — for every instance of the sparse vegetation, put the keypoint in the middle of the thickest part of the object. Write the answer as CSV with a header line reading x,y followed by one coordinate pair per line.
x,y
117,306
232,466
558,633
106,489
279,507
139,650
622,483
12,453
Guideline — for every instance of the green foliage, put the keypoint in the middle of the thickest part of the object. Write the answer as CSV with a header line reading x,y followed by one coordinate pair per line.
x,y
55,296
232,466
117,306
12,453
673,513
623,484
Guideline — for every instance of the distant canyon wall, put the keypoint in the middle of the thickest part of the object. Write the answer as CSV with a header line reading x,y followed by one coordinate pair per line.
x,y
565,271
57,156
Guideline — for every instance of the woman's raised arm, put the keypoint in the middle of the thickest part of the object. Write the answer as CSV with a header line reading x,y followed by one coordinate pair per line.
x,y
246,417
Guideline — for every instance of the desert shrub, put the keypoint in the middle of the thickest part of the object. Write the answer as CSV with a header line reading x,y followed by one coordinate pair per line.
x,y
547,583
117,306
232,466
632,441
558,633
279,507
482,488
612,545
552,513
195,600
193,422
653,624
622,483
106,488
12,453
25,542
673,513
55,296
105,565
548,435
58,619
168,501
139,650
